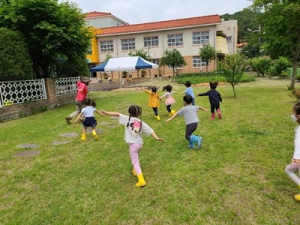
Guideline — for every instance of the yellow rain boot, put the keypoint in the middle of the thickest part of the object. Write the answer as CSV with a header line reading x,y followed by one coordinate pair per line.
x,y
158,118
141,182
297,197
96,137
133,172
83,137
172,112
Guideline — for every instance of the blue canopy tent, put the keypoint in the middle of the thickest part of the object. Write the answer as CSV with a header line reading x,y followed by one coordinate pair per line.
x,y
124,63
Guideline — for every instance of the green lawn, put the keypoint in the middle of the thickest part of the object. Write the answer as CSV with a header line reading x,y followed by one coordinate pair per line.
x,y
236,178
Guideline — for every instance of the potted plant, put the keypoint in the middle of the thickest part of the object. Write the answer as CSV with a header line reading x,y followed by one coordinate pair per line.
x,y
143,72
105,75
124,74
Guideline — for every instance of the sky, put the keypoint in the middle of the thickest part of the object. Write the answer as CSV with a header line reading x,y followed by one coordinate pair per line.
x,y
143,11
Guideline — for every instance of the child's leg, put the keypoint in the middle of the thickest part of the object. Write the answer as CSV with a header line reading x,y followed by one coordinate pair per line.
x,y
94,133
212,110
190,128
290,170
83,136
169,108
156,113
219,111
134,155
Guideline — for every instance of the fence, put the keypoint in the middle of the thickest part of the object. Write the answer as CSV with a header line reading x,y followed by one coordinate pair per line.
x,y
12,92
39,95
65,86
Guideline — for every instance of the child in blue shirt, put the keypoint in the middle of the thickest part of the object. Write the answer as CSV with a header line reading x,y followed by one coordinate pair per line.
x,y
189,91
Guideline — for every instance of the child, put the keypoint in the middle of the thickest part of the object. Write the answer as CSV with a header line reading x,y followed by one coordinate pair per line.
x,y
214,99
189,91
89,121
191,119
169,99
134,128
295,165
153,101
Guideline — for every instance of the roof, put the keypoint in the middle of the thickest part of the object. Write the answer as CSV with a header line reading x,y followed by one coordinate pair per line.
x,y
161,25
96,14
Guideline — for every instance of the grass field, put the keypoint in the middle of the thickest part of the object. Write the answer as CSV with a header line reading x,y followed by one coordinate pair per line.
x,y
236,178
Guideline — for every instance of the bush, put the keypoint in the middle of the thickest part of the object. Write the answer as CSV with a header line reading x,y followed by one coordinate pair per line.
x,y
196,78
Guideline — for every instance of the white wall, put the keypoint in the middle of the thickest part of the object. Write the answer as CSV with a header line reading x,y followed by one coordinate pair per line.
x,y
230,28
188,49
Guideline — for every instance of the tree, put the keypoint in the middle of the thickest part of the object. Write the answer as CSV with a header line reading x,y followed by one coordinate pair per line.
x,y
247,18
281,30
172,59
15,61
251,51
141,53
207,53
52,30
232,68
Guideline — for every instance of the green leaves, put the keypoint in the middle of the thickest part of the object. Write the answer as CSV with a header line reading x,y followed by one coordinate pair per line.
x,y
232,68
172,59
207,53
52,31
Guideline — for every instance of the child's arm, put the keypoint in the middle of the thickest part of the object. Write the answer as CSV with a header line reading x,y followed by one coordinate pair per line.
x,y
203,94
145,90
110,113
100,112
204,109
172,117
80,114
156,137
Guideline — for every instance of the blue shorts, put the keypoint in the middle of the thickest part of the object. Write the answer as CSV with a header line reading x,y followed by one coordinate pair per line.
x,y
90,122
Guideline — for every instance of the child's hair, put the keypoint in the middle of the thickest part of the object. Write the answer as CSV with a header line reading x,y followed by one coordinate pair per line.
x,y
168,88
154,89
134,111
89,102
188,99
187,84
213,85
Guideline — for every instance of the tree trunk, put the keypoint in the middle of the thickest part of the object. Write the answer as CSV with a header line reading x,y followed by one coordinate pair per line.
x,y
234,94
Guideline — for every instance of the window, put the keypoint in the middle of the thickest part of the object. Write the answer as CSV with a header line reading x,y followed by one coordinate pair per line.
x,y
175,40
197,62
229,39
156,61
150,41
106,46
201,37
128,44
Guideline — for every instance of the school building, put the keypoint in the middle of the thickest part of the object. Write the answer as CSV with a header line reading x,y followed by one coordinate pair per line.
x,y
116,38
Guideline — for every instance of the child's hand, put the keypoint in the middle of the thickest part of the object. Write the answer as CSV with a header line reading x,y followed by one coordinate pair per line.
x,y
102,112
160,139
204,109
168,120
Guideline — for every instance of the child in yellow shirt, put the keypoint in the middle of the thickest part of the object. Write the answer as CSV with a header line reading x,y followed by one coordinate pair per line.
x,y
153,101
